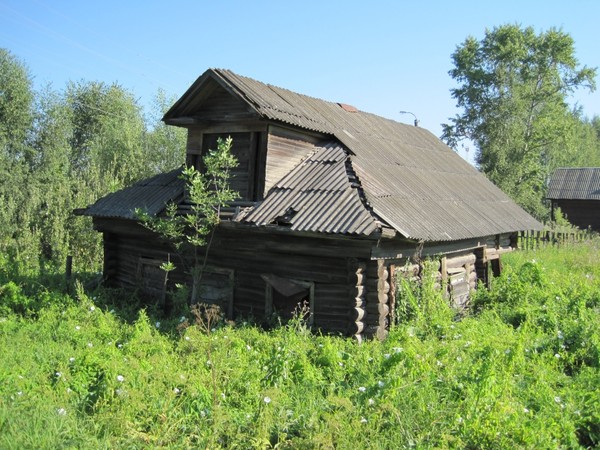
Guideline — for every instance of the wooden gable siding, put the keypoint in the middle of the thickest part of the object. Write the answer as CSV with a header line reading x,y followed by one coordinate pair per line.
x,y
285,150
219,104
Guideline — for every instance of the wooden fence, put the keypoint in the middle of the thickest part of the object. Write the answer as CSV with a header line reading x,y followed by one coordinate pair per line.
x,y
529,240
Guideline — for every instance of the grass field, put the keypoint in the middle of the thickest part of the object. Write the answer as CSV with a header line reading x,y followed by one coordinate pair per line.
x,y
520,370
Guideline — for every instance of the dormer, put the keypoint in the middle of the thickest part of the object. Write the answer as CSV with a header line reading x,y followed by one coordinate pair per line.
x,y
209,111
266,149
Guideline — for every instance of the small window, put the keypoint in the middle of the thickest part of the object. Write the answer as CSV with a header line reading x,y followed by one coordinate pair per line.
x,y
287,297
151,279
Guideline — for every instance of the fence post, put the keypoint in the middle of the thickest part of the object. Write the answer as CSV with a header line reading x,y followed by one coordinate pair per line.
x,y
68,272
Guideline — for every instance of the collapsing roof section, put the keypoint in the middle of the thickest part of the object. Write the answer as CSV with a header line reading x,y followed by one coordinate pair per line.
x,y
410,179
319,195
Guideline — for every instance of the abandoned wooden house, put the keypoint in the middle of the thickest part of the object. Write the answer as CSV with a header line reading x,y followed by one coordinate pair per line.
x,y
576,191
334,203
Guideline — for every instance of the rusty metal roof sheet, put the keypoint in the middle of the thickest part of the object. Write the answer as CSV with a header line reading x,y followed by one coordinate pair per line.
x,y
151,195
576,183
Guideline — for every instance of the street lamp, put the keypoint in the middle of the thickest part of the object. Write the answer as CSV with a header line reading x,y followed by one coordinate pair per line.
x,y
408,112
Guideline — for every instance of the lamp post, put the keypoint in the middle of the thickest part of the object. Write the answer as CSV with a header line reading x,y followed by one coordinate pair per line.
x,y
408,112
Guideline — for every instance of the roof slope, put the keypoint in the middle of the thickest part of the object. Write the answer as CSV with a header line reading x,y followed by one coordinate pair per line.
x,y
581,183
151,195
410,179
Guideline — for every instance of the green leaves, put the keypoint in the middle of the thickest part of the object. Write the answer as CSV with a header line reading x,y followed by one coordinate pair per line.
x,y
513,89
206,193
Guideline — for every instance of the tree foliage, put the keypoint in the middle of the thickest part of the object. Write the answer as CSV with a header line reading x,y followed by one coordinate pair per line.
x,y
63,149
513,88
207,192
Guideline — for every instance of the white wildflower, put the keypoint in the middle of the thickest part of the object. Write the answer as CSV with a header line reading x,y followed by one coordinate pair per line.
x,y
362,389
267,400
120,378
363,420
61,411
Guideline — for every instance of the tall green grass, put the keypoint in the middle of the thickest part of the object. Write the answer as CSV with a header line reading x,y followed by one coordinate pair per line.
x,y
520,370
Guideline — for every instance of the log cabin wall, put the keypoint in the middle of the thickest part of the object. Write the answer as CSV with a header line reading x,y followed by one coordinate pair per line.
x,y
326,265
581,213
349,293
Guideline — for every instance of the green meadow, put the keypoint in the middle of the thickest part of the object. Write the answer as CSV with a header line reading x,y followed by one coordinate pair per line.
x,y
99,369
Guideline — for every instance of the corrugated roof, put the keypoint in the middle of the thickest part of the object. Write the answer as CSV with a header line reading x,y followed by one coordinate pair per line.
x,y
413,181
406,176
575,183
317,195
151,195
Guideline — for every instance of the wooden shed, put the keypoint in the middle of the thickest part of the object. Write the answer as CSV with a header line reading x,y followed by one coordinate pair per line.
x,y
334,203
576,191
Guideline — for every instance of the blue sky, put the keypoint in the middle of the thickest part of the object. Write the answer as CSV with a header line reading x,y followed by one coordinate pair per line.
x,y
380,56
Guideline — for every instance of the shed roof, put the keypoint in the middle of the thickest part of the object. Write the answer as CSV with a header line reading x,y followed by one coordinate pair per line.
x,y
410,179
150,195
575,183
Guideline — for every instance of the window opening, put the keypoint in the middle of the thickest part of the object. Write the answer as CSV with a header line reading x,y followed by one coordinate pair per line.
x,y
286,297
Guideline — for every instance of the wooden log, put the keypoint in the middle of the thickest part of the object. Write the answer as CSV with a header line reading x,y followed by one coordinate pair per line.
x,y
460,261
382,270
377,309
383,286
455,270
357,314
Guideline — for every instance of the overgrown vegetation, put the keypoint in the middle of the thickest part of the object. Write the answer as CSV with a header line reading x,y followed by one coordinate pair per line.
x,y
521,370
